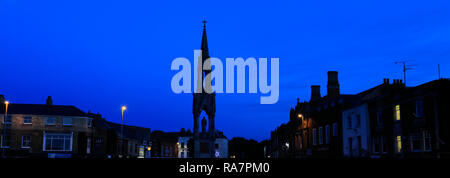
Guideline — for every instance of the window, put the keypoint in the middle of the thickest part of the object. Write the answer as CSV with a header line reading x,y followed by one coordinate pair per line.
x,y
349,122
419,108
4,141
314,137
379,119
89,122
398,144
320,135
57,142
427,141
67,121
327,134
26,141
335,131
358,121
50,121
416,142
88,145
27,120
376,144
397,112
7,119
384,144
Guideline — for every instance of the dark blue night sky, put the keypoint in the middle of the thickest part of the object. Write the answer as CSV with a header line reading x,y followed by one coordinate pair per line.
x,y
99,55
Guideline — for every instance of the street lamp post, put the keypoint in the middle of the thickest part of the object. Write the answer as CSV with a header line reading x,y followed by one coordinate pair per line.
x,y
4,129
121,132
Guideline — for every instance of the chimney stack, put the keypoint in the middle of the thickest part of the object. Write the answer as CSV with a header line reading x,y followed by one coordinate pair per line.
x,y
49,100
315,92
333,84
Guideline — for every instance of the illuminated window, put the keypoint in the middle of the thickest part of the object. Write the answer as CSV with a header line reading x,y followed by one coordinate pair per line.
x,y
397,112
398,144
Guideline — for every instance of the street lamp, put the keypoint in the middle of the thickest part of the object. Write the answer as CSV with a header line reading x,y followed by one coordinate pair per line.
x,y
4,128
121,132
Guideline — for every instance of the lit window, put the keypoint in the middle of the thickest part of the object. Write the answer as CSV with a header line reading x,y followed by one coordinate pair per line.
x,y
26,141
57,142
27,120
50,121
67,121
397,112
320,136
398,144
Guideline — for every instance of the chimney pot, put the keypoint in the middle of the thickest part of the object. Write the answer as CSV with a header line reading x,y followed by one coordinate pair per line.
x,y
49,100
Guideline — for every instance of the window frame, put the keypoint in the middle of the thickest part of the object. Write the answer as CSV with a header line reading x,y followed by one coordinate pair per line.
x,y
420,108
53,134
314,139
327,134
3,139
320,135
27,123
5,119
335,130
29,144
398,144
67,118
50,124
397,113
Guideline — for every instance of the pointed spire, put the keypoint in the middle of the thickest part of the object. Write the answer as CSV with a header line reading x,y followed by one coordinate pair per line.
x,y
204,48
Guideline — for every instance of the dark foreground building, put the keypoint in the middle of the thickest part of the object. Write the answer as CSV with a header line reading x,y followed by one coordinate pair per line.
x,y
45,130
59,131
389,120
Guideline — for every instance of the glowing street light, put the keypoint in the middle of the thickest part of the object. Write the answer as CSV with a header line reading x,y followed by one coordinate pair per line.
x,y
4,127
121,132
300,116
